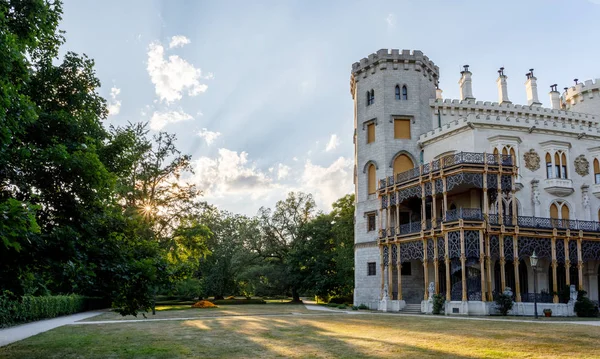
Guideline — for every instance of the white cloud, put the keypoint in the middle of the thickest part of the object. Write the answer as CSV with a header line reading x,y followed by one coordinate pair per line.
x,y
391,21
283,171
334,141
208,136
178,41
327,184
160,119
172,76
114,105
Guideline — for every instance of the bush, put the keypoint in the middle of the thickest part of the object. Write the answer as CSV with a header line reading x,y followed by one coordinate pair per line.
x,y
230,297
204,304
341,300
354,307
189,289
584,307
238,301
332,305
438,303
363,306
504,303
342,306
29,308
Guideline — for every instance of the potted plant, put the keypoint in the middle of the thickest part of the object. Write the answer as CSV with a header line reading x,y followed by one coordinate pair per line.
x,y
548,312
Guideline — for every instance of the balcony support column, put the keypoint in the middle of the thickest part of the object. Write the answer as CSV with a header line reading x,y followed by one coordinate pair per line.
x,y
447,260
499,197
502,263
463,262
389,272
489,267
397,216
423,208
554,265
399,271
579,262
382,271
482,264
387,216
513,200
517,288
433,205
436,265
425,269
567,261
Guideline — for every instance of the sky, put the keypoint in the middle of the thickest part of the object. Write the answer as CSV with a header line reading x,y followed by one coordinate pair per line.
x,y
258,92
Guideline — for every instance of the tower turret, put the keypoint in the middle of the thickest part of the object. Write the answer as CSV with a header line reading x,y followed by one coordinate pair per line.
x,y
583,97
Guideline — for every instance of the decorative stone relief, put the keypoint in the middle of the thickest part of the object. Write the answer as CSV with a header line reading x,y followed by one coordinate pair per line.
x,y
582,166
532,160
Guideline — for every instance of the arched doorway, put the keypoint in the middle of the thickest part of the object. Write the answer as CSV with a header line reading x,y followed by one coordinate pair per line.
x,y
473,282
402,163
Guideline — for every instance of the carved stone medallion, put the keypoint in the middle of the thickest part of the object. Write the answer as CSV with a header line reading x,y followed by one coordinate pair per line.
x,y
582,166
532,160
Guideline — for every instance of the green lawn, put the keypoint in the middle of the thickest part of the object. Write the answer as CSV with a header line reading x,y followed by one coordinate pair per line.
x,y
311,334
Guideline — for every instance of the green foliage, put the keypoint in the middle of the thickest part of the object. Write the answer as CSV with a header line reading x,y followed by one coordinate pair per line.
x,y
18,223
363,306
584,307
354,307
439,302
332,305
504,303
341,300
238,301
189,289
342,306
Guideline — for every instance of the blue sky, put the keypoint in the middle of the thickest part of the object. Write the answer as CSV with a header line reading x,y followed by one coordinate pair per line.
x,y
258,92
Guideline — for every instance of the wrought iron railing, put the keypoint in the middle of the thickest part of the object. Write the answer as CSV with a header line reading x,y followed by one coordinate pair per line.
x,y
541,297
449,161
412,227
470,214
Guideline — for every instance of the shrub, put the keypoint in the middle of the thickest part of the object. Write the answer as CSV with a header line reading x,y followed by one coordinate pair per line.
x,y
341,300
204,304
189,288
504,303
238,301
354,307
584,307
342,306
333,305
230,297
438,303
363,306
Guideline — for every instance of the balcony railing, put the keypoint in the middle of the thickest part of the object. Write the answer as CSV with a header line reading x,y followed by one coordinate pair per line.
x,y
408,228
469,214
541,297
460,158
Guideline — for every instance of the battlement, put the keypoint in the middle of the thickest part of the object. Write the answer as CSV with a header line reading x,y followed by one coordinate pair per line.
x,y
581,88
396,56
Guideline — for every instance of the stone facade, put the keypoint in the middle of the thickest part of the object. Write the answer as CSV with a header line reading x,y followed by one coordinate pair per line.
x,y
550,152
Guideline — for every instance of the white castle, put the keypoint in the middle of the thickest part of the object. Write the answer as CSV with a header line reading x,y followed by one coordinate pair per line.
x,y
454,196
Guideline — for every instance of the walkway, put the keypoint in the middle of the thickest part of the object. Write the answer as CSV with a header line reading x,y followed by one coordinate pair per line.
x,y
20,332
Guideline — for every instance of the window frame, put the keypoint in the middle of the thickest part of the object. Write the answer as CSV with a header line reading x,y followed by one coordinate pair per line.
x,y
371,269
373,216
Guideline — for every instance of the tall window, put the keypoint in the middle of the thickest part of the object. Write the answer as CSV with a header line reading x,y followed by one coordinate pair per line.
x,y
548,166
371,133
559,164
559,210
371,226
370,97
404,93
397,92
402,163
402,128
596,171
372,179
371,268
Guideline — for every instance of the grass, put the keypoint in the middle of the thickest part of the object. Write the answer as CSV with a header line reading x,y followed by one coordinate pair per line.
x,y
310,335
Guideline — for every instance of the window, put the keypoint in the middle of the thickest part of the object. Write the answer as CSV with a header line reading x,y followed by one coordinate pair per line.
x,y
548,166
370,97
402,128
372,179
559,210
596,171
371,268
404,93
559,165
402,163
397,92
371,133
371,222
406,269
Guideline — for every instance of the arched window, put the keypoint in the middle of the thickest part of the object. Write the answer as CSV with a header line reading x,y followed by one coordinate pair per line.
x,y
404,93
596,171
402,163
563,165
397,92
548,166
554,211
556,165
372,179
560,210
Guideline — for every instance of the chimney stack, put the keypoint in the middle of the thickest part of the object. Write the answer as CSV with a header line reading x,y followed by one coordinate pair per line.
x,y
502,87
466,90
554,97
438,93
531,88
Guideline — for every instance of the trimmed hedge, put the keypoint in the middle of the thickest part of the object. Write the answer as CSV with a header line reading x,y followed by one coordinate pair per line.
x,y
238,301
31,308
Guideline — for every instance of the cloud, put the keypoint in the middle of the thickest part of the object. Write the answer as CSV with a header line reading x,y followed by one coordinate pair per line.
x,y
208,136
334,141
391,21
283,171
160,119
114,105
327,184
178,41
172,76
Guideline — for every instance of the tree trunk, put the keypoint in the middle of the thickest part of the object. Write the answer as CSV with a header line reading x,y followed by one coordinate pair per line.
x,y
295,295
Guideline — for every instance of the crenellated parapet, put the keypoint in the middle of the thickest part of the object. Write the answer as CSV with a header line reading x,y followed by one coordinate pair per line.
x,y
394,59
583,97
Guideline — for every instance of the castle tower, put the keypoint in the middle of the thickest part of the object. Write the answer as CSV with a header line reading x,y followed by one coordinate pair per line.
x,y
583,97
391,92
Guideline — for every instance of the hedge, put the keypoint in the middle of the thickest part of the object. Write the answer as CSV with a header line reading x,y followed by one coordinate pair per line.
x,y
31,308
238,301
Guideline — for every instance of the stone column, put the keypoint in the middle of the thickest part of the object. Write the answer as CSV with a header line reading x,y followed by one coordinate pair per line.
x,y
489,267
499,197
423,208
567,261
554,265
517,288
447,260
436,265
388,216
463,264
502,262
382,271
535,197
399,270
389,272
482,264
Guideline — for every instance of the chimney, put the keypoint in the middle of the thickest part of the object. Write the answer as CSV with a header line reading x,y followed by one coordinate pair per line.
x,y
466,90
438,93
531,89
502,87
554,97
